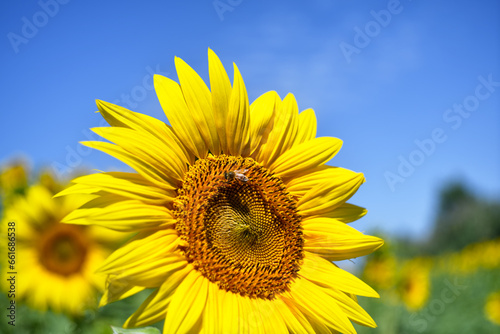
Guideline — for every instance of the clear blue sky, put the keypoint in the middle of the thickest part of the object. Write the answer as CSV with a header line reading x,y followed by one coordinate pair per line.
x,y
380,75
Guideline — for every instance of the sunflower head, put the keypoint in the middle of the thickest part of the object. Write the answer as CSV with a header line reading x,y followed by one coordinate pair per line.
x,y
13,180
56,260
237,216
492,307
414,283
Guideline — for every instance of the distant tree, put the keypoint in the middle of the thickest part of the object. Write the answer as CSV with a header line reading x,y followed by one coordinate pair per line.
x,y
462,219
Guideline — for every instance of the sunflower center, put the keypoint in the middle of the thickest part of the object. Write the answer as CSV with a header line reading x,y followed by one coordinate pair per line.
x,y
239,225
63,249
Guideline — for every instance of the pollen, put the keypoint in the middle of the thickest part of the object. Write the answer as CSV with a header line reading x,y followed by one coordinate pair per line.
x,y
244,234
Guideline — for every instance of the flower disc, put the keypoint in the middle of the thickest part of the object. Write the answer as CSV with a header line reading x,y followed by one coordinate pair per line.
x,y
240,226
63,249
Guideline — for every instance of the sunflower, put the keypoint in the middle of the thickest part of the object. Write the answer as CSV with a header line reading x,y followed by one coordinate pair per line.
x,y
54,262
492,307
13,180
237,216
380,270
414,283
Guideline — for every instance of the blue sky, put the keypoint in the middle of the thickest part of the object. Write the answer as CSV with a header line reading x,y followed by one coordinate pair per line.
x,y
411,87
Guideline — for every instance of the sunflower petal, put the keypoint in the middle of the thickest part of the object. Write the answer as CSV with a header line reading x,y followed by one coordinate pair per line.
x,y
221,93
300,185
323,272
186,308
284,131
316,303
155,307
294,319
306,156
172,101
146,148
231,318
261,119
120,117
346,213
270,319
151,172
129,185
307,127
152,310
199,102
126,216
143,247
238,118
337,241
115,291
327,196
212,316
351,308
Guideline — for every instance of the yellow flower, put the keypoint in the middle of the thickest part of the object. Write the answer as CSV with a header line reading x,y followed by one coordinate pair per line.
x,y
54,262
492,307
414,283
238,217
380,271
13,180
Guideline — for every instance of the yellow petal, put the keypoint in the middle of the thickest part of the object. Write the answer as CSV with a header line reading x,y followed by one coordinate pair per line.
x,y
154,308
316,303
187,305
307,127
115,291
346,213
143,247
129,185
231,317
212,318
294,319
327,196
120,117
126,216
199,102
301,184
283,133
151,172
261,119
337,241
147,149
267,318
351,308
238,118
221,93
306,156
325,273
175,107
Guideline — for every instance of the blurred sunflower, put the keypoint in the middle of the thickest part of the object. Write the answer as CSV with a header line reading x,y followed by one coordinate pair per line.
x,y
380,271
13,180
56,262
492,307
238,217
414,283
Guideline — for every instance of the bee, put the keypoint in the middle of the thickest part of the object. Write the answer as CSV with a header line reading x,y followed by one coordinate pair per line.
x,y
238,174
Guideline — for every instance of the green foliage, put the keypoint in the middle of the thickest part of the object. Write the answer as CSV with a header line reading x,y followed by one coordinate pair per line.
x,y
456,305
100,321
145,330
462,219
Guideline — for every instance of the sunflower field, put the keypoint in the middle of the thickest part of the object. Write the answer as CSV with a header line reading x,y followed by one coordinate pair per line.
x,y
230,220
424,287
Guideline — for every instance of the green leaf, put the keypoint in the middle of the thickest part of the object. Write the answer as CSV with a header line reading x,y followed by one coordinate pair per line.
x,y
145,330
